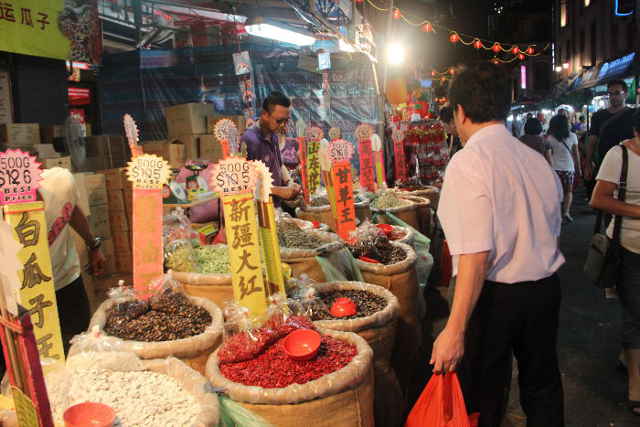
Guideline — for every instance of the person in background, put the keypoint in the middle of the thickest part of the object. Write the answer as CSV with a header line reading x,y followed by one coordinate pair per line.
x,y
565,159
446,117
499,209
608,127
605,199
579,126
532,137
262,143
62,213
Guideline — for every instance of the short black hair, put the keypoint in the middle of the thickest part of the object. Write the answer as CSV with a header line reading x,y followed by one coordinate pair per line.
x,y
533,127
446,114
275,98
559,127
620,83
484,91
636,120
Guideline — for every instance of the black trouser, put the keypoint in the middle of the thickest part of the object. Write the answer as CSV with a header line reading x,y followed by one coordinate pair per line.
x,y
522,320
73,310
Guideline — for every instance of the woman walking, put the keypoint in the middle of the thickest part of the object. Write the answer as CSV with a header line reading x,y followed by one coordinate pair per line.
x,y
532,138
564,159
605,198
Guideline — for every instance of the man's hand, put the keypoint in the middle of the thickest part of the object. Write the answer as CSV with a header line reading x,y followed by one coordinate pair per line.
x,y
448,350
97,262
286,193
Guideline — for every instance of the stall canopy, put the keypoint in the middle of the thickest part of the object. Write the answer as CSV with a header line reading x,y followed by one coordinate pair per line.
x,y
145,82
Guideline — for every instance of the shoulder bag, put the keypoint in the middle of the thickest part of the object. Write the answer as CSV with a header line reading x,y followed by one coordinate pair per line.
x,y
602,267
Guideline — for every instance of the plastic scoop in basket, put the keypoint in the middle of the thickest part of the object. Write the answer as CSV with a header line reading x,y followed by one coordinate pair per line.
x,y
367,259
343,307
302,344
89,414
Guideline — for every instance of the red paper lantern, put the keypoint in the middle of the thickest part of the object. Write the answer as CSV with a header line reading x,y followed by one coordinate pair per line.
x,y
454,38
433,74
515,50
521,57
496,47
397,14
427,27
530,50
477,44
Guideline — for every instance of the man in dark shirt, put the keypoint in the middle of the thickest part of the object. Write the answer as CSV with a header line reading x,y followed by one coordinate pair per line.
x,y
261,142
608,127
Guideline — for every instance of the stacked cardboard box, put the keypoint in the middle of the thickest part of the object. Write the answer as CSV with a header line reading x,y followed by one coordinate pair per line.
x,y
187,119
172,151
104,152
119,192
20,135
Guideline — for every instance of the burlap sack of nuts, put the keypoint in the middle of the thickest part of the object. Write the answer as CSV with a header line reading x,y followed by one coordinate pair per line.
x,y
379,330
324,214
217,288
303,261
341,399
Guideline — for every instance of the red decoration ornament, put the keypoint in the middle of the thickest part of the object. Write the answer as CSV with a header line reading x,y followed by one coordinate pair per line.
x,y
359,1
452,71
495,61
454,38
521,57
530,50
396,13
433,74
427,27
515,50
477,44
496,47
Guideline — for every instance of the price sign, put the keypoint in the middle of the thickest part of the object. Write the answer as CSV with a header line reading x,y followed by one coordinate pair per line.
x,y
233,176
226,132
148,171
334,133
363,132
19,177
339,150
133,135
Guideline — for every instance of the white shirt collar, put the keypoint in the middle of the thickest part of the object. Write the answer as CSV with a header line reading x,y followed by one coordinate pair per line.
x,y
487,131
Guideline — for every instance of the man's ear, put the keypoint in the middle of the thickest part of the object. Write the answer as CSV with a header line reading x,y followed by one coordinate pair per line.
x,y
459,111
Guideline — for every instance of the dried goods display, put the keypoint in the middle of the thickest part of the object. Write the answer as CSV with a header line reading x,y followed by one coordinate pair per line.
x,y
372,244
427,152
210,259
366,302
166,317
291,235
258,358
389,199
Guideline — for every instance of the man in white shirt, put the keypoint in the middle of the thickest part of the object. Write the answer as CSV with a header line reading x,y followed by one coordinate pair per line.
x,y
500,211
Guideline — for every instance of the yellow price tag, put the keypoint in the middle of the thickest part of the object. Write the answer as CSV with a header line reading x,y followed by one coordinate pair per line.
x,y
271,248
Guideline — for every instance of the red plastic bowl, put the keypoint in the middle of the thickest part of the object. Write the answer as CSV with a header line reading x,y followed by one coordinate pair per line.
x,y
343,307
385,228
316,224
89,414
367,259
302,344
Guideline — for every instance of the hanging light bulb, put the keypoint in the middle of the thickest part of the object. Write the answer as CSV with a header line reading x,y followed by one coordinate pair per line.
x,y
495,61
452,71
427,27
496,47
454,38
396,13
530,50
477,44
515,50
521,56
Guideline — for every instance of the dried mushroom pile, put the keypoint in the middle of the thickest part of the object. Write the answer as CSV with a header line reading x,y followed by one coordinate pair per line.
x,y
389,199
166,317
375,245
291,235
366,302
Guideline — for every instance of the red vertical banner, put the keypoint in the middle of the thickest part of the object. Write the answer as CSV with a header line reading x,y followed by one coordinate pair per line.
x,y
345,209
367,180
399,156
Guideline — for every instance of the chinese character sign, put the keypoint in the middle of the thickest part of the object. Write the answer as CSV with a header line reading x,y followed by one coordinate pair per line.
x,y
37,293
313,135
19,177
345,211
399,156
367,180
148,173
52,29
378,160
302,155
241,230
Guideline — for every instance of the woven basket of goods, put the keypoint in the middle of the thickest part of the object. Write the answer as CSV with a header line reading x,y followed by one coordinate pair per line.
x,y
423,210
429,192
392,265
393,202
332,388
144,393
319,210
375,320
299,248
168,324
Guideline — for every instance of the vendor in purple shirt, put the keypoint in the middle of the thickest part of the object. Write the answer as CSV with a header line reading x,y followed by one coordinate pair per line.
x,y
261,141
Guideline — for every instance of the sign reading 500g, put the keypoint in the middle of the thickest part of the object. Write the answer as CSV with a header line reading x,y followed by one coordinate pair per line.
x,y
233,175
148,171
19,177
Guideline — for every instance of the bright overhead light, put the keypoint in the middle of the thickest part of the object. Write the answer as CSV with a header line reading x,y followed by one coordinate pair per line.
x,y
558,69
345,46
395,54
565,65
273,32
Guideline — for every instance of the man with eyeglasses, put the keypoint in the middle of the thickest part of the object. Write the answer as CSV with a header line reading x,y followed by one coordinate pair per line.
x,y
262,144
609,127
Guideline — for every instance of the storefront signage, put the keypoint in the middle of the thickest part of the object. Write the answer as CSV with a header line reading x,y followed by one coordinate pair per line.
x,y
53,29
617,67
148,174
37,293
19,177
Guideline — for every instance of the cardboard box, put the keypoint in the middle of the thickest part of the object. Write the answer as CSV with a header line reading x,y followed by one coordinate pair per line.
x,y
45,151
187,119
116,179
124,262
128,201
110,256
48,133
173,152
116,200
240,121
210,148
121,241
95,186
61,162
83,195
20,135
108,150
119,221
99,221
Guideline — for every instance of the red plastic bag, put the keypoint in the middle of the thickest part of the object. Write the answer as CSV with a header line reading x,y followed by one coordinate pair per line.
x,y
441,404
